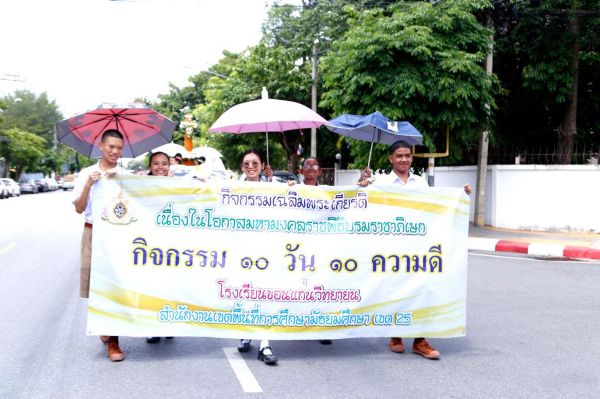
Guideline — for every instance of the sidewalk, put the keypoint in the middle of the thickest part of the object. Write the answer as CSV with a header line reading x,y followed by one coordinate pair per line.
x,y
548,244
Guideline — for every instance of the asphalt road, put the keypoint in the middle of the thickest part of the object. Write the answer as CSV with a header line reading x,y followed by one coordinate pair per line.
x,y
532,329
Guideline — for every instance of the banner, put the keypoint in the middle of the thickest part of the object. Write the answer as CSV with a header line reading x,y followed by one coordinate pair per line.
x,y
177,257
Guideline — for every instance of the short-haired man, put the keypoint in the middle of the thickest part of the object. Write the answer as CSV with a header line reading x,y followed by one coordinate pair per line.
x,y
311,170
401,160
111,148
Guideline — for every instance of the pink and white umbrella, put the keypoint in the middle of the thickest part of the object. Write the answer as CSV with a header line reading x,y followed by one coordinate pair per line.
x,y
266,115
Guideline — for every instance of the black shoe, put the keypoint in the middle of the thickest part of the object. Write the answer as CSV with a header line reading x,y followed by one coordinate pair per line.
x,y
152,340
268,359
325,341
244,345
169,337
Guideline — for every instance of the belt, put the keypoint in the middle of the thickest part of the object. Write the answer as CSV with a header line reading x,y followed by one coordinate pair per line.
x,y
86,224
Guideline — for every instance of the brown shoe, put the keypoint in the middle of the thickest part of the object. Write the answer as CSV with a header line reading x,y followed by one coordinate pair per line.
x,y
422,347
104,339
396,345
115,354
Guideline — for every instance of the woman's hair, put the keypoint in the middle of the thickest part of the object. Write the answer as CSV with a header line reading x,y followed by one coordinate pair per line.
x,y
154,154
252,151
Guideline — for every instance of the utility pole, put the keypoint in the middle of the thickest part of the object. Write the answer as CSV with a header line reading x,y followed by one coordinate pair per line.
x,y
313,102
483,142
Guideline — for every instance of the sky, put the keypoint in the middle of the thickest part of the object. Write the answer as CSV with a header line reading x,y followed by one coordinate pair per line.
x,y
86,52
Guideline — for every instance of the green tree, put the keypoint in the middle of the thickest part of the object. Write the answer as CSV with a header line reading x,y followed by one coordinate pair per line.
x,y
282,64
548,61
319,24
29,112
417,62
36,115
22,150
262,66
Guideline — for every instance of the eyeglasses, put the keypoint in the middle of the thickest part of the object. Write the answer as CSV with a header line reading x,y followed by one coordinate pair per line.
x,y
313,166
250,164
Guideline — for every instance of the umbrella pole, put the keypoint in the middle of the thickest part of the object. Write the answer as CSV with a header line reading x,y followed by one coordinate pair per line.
x,y
371,150
267,136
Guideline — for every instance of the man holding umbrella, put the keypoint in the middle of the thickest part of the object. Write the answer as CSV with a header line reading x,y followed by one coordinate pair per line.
x,y
401,160
111,148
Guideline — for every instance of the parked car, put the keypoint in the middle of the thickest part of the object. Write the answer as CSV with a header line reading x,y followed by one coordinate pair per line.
x,y
42,185
14,188
51,183
282,176
68,182
28,186
4,193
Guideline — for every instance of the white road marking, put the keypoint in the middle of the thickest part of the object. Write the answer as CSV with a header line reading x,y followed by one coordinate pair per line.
x,y
8,247
241,370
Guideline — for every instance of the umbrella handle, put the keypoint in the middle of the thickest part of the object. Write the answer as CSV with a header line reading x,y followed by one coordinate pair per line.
x,y
370,152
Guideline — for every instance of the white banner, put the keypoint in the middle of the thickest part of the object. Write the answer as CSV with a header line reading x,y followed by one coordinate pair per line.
x,y
175,257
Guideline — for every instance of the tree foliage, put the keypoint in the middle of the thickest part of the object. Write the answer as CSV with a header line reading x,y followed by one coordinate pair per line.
x,y
22,150
282,64
548,71
27,116
415,62
271,67
35,114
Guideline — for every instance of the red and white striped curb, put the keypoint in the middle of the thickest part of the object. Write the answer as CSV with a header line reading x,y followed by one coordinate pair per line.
x,y
533,248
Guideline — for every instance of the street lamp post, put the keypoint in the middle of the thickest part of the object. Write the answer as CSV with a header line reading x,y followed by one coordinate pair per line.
x,y
313,131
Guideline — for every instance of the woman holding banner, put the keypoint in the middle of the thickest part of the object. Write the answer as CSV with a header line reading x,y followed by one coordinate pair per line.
x,y
253,168
158,165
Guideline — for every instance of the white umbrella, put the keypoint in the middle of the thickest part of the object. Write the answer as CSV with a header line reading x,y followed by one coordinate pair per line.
x,y
171,149
207,152
266,115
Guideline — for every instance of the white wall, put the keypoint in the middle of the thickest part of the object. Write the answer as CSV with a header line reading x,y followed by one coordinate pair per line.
x,y
346,177
526,197
534,197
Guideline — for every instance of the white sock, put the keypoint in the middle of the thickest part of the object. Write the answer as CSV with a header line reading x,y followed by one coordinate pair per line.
x,y
263,344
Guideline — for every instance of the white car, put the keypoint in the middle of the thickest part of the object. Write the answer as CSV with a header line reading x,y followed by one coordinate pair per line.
x,y
51,183
14,190
4,190
68,182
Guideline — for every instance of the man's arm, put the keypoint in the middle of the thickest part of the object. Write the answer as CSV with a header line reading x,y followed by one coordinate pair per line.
x,y
82,200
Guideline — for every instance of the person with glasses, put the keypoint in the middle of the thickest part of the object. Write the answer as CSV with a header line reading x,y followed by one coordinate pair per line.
x,y
252,167
311,170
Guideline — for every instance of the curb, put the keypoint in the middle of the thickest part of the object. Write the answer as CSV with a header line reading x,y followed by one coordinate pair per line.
x,y
532,248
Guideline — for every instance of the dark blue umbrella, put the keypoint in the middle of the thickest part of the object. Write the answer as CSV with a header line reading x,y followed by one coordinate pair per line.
x,y
376,128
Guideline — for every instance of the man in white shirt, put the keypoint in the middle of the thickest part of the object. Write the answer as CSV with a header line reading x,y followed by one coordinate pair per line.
x,y
111,148
311,170
401,160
